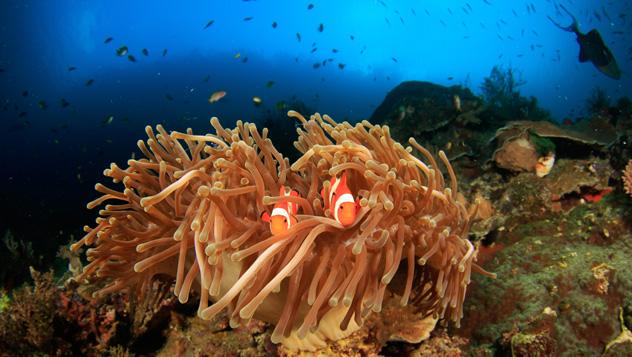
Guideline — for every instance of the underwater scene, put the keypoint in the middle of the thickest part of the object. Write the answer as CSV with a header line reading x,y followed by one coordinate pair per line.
x,y
316,178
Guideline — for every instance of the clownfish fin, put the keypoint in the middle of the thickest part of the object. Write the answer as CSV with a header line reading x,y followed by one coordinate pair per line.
x,y
326,200
265,216
343,180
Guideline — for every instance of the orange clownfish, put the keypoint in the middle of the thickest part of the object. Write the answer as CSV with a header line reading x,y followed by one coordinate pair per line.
x,y
342,206
283,214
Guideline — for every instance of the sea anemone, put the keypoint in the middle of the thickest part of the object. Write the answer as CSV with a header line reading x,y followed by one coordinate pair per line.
x,y
192,209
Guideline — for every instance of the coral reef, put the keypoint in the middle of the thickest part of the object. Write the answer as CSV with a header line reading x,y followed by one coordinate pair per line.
x,y
194,214
57,320
560,243
435,115
503,101
17,256
598,102
25,324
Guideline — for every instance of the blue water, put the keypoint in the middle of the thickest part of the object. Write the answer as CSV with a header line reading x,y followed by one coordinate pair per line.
x,y
52,157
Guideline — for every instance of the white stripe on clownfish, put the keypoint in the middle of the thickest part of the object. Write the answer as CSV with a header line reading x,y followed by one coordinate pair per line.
x,y
344,198
333,189
281,212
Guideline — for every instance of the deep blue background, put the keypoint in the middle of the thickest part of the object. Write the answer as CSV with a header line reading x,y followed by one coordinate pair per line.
x,y
50,159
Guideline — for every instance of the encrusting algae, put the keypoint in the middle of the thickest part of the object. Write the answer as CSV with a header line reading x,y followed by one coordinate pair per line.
x,y
193,209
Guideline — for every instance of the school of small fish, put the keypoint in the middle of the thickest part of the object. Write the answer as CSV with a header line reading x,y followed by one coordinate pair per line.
x,y
462,16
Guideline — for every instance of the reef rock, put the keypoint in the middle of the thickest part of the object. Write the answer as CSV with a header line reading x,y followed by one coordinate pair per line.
x,y
425,111
521,143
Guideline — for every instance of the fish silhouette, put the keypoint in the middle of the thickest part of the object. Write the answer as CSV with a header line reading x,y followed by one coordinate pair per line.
x,y
592,48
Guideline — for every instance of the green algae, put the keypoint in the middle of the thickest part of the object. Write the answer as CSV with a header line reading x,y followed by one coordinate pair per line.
x,y
5,300
549,263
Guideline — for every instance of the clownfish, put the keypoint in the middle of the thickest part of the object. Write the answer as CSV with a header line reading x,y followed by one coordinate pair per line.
x,y
283,214
342,206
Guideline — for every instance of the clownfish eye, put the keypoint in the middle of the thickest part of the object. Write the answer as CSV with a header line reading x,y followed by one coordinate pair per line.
x,y
284,220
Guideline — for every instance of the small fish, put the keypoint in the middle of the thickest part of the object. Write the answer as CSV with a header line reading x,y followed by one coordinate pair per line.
x,y
25,93
310,6
89,82
341,65
42,104
248,18
450,78
283,214
244,60
209,24
22,114
342,207
216,96
321,28
64,103
131,58
592,48
145,52
274,24
237,55
334,50
122,51
314,50
352,37
108,120
280,105
269,84
169,97
257,100
208,76
164,52
394,59
298,36
108,40
316,65
71,68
